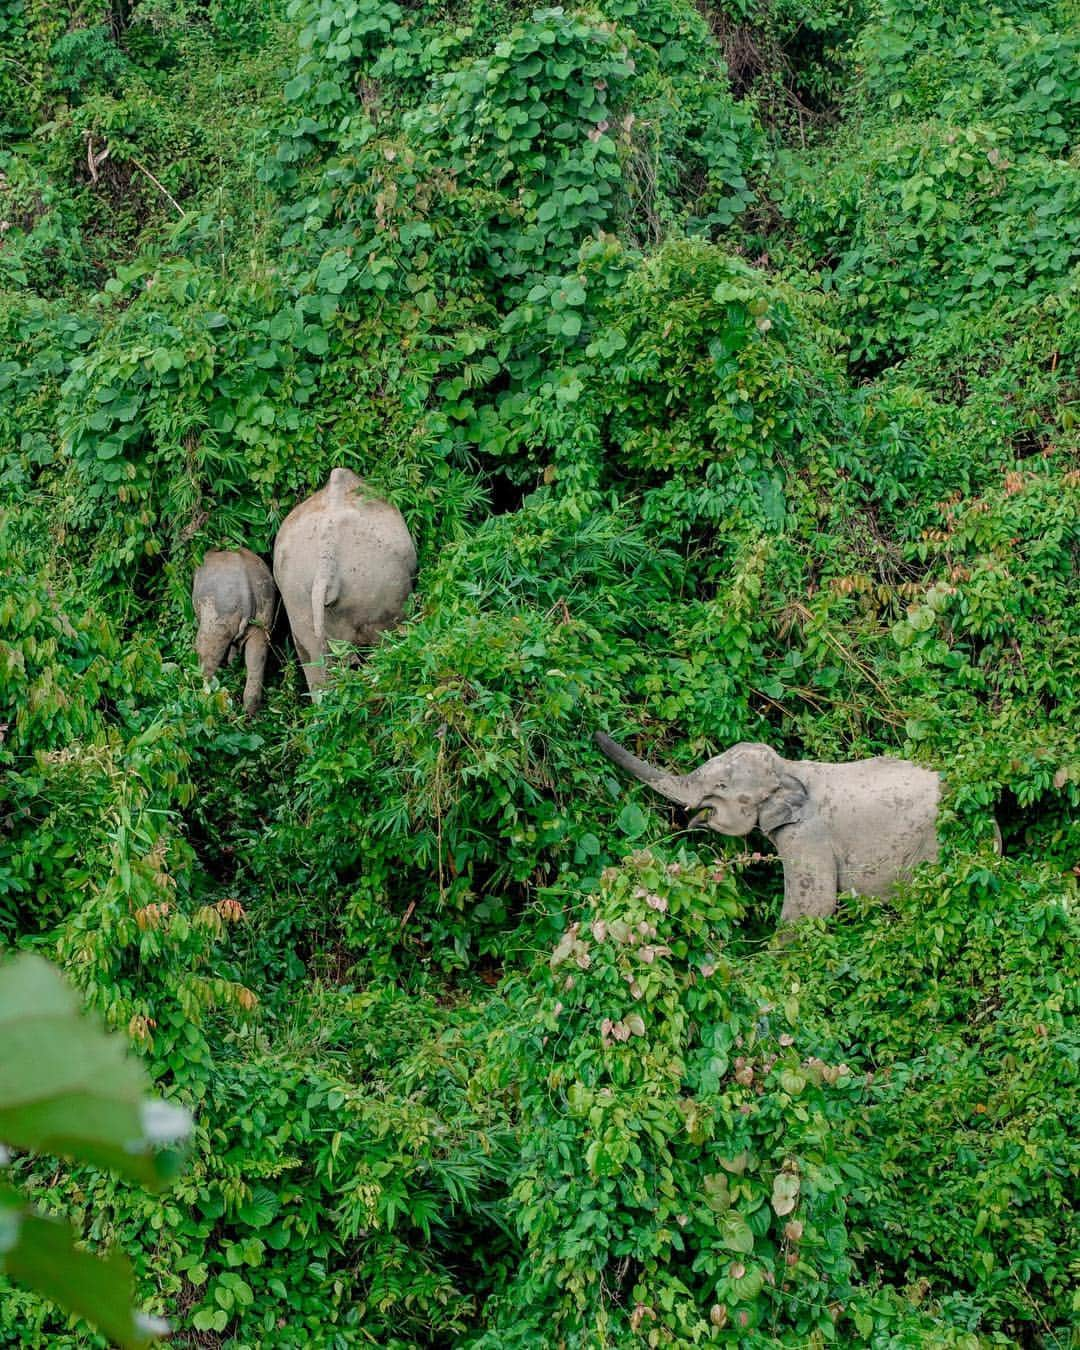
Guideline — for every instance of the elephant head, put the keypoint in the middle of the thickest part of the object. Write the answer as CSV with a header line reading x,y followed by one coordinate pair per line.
x,y
747,787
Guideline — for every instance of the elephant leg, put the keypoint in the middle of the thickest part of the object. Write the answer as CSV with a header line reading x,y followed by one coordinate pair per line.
x,y
315,672
212,649
256,647
307,649
810,871
807,896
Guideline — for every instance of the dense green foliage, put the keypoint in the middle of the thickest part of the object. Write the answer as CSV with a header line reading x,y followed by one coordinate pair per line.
x,y
724,360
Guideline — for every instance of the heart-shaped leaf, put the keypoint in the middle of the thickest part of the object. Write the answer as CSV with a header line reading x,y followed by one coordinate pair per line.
x,y
785,1192
735,1233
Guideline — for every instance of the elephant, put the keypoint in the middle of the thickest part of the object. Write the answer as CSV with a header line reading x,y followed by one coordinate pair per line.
x,y
344,562
858,826
234,598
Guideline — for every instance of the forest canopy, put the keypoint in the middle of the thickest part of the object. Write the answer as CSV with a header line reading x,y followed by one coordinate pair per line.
x,y
724,362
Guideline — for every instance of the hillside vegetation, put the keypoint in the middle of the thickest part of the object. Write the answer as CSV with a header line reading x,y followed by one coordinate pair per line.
x,y
724,360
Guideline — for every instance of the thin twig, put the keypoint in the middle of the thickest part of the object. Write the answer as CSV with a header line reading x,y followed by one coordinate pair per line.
x,y
441,736
1035,1307
160,186
779,706
845,652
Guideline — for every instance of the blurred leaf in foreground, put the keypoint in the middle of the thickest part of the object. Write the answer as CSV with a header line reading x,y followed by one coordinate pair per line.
x,y
66,1087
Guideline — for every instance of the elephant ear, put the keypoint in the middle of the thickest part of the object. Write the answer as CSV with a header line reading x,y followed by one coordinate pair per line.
x,y
785,805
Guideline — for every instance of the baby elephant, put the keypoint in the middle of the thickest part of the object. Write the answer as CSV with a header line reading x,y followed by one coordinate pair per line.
x,y
859,826
234,597
344,562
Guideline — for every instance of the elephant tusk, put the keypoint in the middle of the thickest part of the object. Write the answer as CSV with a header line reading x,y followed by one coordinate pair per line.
x,y
700,819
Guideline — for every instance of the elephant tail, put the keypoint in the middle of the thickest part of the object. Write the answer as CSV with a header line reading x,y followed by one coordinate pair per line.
x,y
324,591
318,606
248,611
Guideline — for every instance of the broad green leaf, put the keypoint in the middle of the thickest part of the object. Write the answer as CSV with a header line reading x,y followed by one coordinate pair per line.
x,y
748,1285
68,1088
40,1254
785,1192
589,845
632,820
716,1192
260,1209
734,1232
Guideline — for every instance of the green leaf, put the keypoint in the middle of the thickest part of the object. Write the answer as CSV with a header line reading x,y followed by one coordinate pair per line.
x,y
632,820
68,1088
773,501
260,1209
40,1254
242,1293
734,1232
316,340
717,1196
747,1286
785,1192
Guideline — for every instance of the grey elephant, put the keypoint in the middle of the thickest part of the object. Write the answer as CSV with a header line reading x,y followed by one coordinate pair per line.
x,y
858,826
234,598
344,562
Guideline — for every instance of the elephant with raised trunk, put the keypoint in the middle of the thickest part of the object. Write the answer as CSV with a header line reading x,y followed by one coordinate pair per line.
x,y
859,826
234,598
344,562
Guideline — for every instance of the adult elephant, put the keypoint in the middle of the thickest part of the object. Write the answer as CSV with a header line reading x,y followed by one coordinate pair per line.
x,y
858,826
344,563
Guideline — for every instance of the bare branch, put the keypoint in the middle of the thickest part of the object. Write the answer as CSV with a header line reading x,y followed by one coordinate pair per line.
x,y
160,186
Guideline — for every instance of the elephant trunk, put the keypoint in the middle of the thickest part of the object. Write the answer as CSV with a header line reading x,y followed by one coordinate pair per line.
x,y
669,785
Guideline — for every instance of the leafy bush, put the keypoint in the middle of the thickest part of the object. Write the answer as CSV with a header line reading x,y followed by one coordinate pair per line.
x,y
86,59
966,1044
722,360
675,1178
952,193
